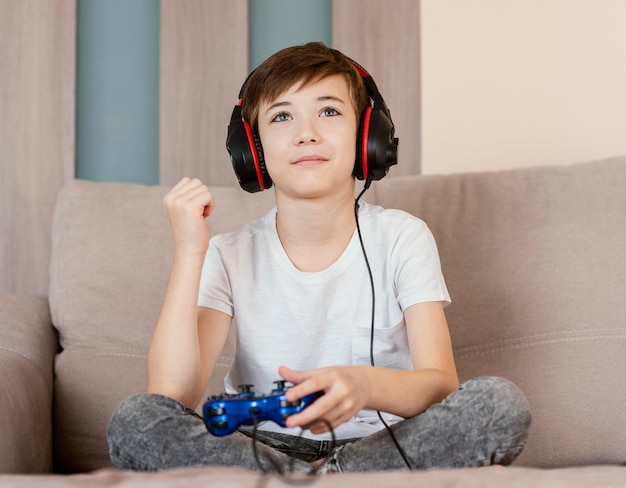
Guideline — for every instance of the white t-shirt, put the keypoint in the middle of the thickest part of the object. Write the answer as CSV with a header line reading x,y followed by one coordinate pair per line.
x,y
308,320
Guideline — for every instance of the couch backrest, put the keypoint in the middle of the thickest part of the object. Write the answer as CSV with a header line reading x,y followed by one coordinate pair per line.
x,y
533,259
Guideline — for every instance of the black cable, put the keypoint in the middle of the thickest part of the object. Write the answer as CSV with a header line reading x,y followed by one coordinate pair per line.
x,y
368,181
275,465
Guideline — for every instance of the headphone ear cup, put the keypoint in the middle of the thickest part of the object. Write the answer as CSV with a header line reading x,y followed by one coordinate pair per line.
x,y
377,148
246,154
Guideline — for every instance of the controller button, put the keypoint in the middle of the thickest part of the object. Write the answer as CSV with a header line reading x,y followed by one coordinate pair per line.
x,y
212,412
285,403
219,425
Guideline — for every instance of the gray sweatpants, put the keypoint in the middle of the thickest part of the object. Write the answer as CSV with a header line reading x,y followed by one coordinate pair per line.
x,y
484,422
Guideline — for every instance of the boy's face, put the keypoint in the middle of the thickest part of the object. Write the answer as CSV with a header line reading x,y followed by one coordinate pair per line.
x,y
308,136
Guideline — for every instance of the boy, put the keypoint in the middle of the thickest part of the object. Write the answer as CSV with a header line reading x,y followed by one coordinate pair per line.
x,y
300,283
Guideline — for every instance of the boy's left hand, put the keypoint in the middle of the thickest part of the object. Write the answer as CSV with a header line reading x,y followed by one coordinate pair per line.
x,y
345,393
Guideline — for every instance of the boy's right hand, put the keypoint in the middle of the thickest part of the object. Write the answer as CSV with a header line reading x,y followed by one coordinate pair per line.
x,y
187,205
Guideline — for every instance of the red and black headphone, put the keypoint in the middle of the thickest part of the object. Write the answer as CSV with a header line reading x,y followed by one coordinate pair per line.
x,y
376,146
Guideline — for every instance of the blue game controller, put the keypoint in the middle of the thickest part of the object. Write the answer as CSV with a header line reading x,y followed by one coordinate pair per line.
x,y
224,414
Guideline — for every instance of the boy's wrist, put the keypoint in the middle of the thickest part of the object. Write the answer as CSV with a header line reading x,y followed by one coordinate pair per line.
x,y
366,379
186,256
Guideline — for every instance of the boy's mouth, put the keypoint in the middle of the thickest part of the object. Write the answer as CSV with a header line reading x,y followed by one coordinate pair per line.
x,y
310,160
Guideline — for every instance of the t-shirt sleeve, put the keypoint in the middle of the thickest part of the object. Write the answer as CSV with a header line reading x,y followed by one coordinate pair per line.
x,y
418,275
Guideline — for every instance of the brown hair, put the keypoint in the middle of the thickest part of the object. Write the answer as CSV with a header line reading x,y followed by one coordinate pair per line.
x,y
303,64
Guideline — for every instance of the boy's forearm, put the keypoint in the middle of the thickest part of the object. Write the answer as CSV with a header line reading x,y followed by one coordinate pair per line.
x,y
174,364
406,393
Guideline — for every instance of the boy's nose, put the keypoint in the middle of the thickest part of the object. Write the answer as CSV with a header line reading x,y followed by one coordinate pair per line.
x,y
307,134
305,140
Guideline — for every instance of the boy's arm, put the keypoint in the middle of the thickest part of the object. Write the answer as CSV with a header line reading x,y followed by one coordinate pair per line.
x,y
348,389
187,339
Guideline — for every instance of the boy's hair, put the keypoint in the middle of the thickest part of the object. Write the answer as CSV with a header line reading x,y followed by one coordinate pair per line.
x,y
303,64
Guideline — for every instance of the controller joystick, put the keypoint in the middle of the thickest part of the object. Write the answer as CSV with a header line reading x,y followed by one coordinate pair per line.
x,y
280,385
225,413
245,389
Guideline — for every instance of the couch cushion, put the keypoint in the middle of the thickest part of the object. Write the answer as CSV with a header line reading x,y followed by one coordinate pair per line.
x,y
535,263
27,348
111,258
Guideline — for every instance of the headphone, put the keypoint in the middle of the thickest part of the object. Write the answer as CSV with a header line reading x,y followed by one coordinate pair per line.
x,y
376,146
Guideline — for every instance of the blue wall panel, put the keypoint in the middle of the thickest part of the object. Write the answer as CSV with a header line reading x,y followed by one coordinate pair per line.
x,y
117,118
275,24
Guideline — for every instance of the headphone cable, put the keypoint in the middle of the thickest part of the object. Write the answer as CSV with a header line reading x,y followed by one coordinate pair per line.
x,y
368,182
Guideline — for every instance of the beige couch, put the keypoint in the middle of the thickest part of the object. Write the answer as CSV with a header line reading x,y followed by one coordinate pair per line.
x,y
535,260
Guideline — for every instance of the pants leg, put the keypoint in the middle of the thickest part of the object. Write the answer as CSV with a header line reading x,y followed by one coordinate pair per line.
x,y
152,432
484,422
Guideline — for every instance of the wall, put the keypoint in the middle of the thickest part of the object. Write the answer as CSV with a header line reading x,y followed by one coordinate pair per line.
x,y
384,37
513,83
37,51
203,62
472,85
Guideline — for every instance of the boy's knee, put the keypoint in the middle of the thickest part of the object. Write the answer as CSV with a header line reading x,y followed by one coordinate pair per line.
x,y
134,424
507,413
128,414
505,399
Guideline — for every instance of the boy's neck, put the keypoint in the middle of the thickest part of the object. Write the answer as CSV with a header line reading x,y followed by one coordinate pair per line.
x,y
314,233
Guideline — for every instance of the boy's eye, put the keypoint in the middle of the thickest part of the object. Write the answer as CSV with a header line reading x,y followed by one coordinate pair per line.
x,y
329,112
281,117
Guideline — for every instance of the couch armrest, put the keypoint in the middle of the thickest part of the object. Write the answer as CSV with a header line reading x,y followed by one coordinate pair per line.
x,y
28,345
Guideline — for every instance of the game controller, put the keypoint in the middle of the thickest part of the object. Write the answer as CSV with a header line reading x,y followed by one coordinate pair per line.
x,y
223,414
